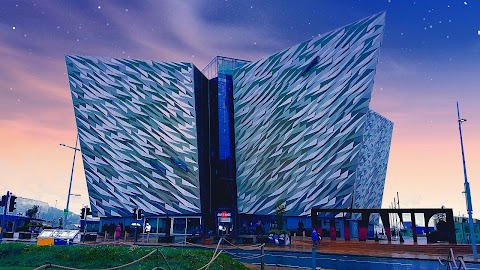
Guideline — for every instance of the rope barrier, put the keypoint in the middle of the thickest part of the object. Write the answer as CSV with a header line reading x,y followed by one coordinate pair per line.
x,y
215,255
252,247
49,265
211,261
240,257
247,248
164,258
193,244
128,264
42,266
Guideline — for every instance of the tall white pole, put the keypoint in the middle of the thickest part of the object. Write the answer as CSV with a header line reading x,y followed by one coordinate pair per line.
x,y
468,196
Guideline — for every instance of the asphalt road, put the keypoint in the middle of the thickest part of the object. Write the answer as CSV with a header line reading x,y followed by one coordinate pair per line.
x,y
303,260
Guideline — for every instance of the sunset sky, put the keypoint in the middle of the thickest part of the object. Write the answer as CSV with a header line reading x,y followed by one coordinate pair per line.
x,y
430,58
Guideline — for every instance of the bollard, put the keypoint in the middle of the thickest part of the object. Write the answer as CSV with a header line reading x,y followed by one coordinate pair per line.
x,y
303,234
314,261
105,239
262,259
135,236
126,233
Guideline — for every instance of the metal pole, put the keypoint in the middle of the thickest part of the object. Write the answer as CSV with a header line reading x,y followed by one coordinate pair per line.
x,y
468,196
398,201
186,221
398,204
84,224
4,215
135,235
314,259
65,211
395,215
389,219
393,219
262,259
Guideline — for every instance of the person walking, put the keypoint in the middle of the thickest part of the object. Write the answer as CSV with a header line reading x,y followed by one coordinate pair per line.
x,y
315,237
148,228
118,232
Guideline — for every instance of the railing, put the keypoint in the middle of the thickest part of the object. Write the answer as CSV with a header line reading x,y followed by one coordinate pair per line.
x,y
451,262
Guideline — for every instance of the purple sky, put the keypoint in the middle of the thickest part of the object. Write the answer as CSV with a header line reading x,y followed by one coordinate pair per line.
x,y
428,61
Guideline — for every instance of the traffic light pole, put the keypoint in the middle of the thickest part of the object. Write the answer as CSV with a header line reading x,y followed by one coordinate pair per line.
x,y
83,218
137,215
4,215
65,211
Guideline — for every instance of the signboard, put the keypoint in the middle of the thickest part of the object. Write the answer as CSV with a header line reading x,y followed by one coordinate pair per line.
x,y
224,217
224,214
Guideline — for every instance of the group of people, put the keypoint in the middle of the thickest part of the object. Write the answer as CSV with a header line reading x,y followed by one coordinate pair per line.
x,y
118,231
316,237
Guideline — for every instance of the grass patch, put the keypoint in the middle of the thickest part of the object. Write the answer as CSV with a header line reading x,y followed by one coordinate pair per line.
x,y
104,256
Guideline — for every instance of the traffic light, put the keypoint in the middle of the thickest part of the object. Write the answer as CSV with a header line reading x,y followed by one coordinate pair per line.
x,y
11,206
83,214
4,200
139,214
134,211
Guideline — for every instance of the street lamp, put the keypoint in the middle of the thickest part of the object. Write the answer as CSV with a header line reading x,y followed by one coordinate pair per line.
x,y
468,196
65,211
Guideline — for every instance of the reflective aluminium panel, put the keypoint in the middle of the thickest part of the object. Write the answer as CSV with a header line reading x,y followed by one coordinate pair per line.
x,y
137,126
299,120
372,167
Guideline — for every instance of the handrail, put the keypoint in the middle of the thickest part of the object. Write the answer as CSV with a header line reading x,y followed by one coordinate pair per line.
x,y
448,262
462,265
451,262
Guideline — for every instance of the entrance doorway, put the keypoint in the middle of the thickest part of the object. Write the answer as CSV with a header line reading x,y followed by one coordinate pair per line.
x,y
224,223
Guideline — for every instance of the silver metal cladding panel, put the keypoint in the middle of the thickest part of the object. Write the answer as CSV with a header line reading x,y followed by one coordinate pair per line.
x,y
137,127
299,120
372,167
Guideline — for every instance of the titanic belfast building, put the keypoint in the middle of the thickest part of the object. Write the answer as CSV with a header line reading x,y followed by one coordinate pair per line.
x,y
219,149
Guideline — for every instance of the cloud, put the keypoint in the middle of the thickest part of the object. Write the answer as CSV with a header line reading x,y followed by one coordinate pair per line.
x,y
37,114
40,97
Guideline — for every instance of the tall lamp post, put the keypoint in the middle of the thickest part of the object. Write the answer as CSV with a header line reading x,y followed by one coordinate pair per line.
x,y
65,211
468,196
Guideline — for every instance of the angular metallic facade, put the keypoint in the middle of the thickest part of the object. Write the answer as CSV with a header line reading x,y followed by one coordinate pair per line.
x,y
300,119
372,167
294,127
138,133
